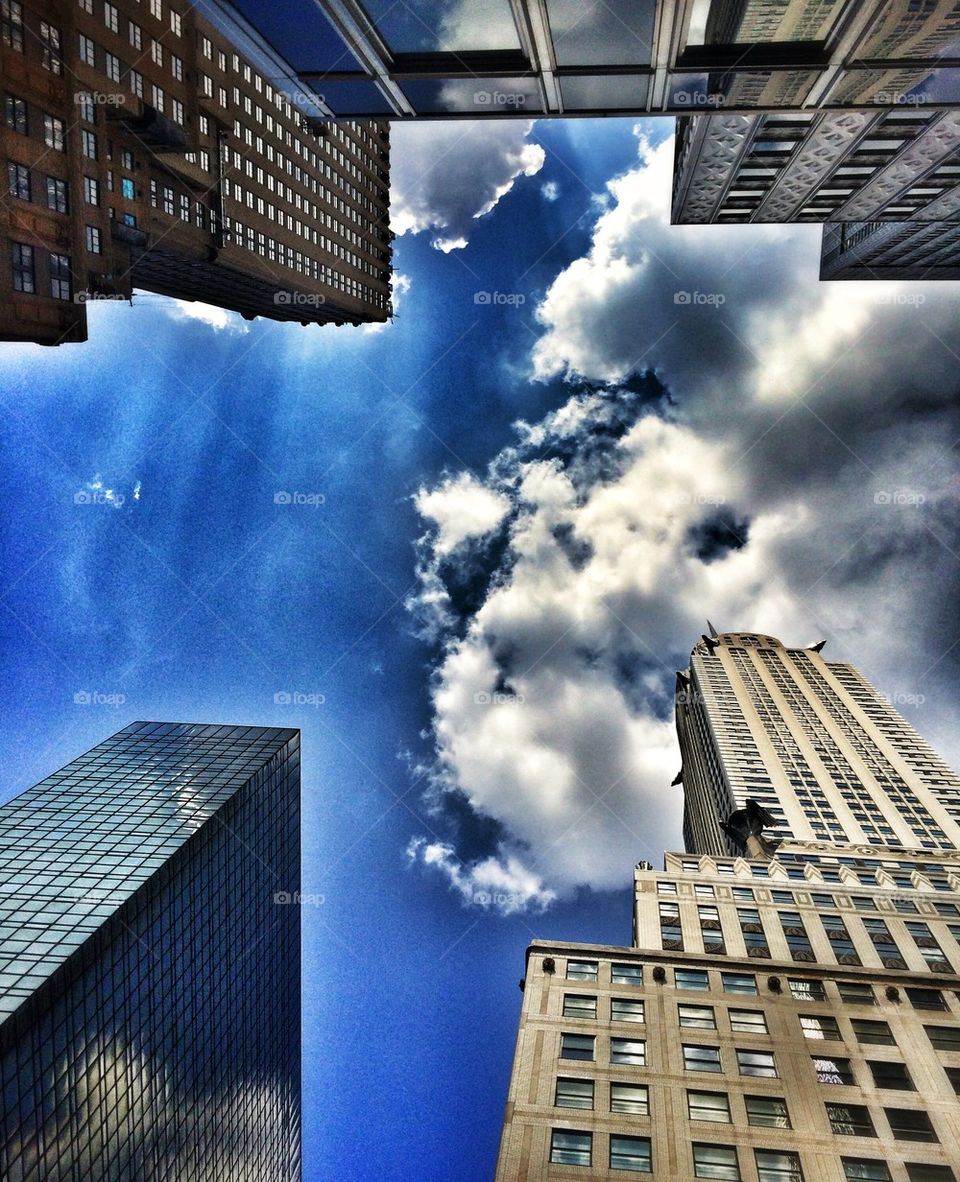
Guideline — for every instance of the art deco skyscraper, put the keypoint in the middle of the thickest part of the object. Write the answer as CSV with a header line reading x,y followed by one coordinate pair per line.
x,y
789,1009
149,961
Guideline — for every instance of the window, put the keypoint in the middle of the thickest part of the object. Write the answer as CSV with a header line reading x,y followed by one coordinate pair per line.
x,y
127,189
18,178
872,1032
804,990
890,1075
671,932
782,896
944,1038
769,1112
630,1153
628,1050
88,50
704,891
88,144
926,999
953,1074
626,1097
57,194
666,888
819,1026
111,17
864,903
581,970
778,1167
748,1022
910,1124
713,1106
577,1006
691,979
21,257
61,284
716,1161
869,1169
93,239
574,1093
136,36
626,974
743,894
697,1058
761,1063
856,993
701,1017
833,1071
919,1172
91,190
15,114
577,1046
850,1120
11,24
571,1149
739,983
51,58
624,1009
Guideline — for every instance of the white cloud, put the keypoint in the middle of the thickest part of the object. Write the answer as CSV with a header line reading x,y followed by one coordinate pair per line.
x,y
550,191
444,176
460,508
219,319
500,883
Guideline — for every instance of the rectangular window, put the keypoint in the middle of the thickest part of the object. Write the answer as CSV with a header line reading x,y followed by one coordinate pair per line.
x,y
944,1038
833,1071
11,24
701,1017
18,180
910,1124
630,1153
856,993
51,57
777,1167
15,114
697,1058
136,36
743,894
748,1022
57,195
803,990
739,983
574,1093
890,1075
576,1005
577,1046
691,979
91,190
571,1149
21,257
860,1169
88,144
628,1050
53,132
112,66
111,18
61,282
582,970
850,1120
93,240
819,1026
869,1031
127,188
625,1097
769,1112
712,1106
716,1161
757,1063
624,974
926,999
624,1009
921,1172
88,50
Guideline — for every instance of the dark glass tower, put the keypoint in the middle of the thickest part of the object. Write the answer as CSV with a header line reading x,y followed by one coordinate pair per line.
x,y
150,961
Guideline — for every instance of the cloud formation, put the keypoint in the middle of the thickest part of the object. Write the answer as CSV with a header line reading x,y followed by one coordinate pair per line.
x,y
775,457
444,176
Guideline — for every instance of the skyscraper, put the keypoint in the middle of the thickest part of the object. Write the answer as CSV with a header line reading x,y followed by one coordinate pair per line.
x,y
146,150
789,1010
150,983
890,250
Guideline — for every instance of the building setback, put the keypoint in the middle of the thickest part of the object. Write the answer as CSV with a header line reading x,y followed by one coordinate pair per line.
x,y
143,150
789,1009
149,969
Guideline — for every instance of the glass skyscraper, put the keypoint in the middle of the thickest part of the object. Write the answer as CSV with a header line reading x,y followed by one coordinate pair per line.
x,y
150,961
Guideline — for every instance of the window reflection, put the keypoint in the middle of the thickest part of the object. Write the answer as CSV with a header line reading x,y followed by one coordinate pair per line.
x,y
605,32
444,26
746,22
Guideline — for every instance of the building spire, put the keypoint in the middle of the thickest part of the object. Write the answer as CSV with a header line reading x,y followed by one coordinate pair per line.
x,y
713,632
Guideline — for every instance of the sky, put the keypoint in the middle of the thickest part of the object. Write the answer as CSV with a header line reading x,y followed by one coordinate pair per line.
x,y
466,553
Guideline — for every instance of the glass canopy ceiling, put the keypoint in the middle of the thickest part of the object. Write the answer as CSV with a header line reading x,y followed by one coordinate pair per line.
x,y
503,58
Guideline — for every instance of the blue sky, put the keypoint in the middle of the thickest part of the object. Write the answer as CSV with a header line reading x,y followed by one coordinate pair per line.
x,y
479,623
